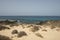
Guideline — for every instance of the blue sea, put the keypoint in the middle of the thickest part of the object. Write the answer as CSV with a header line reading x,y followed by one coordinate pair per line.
x,y
31,19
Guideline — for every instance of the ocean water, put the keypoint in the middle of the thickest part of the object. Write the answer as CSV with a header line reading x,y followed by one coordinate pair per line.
x,y
31,19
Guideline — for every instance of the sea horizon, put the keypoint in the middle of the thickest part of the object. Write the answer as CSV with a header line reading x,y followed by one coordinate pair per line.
x,y
30,19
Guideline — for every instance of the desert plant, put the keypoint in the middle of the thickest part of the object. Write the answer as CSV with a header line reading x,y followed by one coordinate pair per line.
x,y
28,26
53,26
39,35
41,23
21,33
58,29
14,32
3,27
34,28
44,30
2,37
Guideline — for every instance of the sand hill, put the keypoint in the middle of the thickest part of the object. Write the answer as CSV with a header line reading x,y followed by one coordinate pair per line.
x,y
48,30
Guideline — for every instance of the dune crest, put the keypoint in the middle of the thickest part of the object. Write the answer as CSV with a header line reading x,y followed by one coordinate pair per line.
x,y
48,30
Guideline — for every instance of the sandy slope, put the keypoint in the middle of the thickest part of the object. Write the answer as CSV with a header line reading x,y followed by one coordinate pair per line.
x,y
50,34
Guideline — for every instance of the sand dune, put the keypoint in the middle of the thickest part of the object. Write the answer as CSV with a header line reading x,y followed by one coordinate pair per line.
x,y
31,32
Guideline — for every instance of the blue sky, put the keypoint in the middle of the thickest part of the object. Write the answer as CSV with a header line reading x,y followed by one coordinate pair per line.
x,y
30,7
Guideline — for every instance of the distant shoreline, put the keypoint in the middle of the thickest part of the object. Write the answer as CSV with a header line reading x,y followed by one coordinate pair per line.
x,y
29,19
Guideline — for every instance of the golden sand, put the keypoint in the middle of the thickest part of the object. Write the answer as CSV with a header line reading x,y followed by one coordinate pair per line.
x,y
43,33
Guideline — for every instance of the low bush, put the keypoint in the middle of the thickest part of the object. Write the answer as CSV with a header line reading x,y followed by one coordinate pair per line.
x,y
39,35
2,37
3,28
22,33
14,32
34,28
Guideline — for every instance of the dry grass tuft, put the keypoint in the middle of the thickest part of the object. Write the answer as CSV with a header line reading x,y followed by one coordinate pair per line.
x,y
29,26
15,24
14,32
3,27
44,30
21,33
2,37
34,28
52,27
57,29
39,35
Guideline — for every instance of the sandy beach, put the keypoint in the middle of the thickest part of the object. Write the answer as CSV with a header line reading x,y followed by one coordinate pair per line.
x,y
30,32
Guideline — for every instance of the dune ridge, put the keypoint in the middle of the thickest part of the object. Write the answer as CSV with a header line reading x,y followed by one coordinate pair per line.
x,y
44,30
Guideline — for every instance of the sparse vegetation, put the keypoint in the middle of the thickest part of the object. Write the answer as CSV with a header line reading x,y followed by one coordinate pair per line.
x,y
14,32
29,26
39,35
41,23
21,33
58,29
3,27
23,26
52,27
2,37
14,24
8,22
44,30
34,28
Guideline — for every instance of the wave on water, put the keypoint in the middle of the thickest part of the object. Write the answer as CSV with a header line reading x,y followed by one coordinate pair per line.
x,y
30,19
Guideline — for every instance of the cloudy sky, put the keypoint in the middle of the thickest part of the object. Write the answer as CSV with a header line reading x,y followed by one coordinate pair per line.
x,y
30,7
